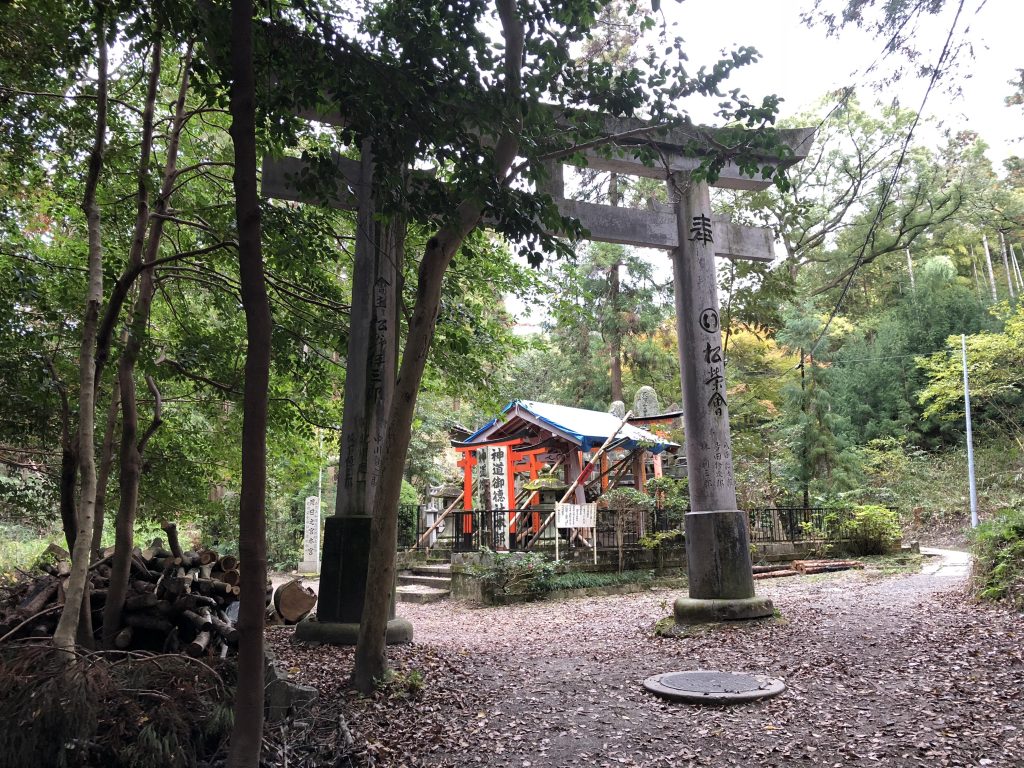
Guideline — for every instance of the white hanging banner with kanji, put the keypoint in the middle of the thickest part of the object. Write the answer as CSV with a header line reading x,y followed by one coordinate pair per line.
x,y
497,468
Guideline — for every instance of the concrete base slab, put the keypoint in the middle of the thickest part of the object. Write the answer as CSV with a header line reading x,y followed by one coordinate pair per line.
x,y
309,630
713,687
688,610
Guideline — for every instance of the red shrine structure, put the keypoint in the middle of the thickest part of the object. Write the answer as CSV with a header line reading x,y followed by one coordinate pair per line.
x,y
506,462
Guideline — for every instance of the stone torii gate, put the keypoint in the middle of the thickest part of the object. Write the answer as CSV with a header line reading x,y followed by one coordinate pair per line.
x,y
721,584
718,558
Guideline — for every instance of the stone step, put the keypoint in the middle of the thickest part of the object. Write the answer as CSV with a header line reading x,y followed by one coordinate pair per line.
x,y
417,593
438,582
432,570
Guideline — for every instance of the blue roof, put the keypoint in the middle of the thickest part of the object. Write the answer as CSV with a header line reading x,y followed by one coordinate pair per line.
x,y
589,429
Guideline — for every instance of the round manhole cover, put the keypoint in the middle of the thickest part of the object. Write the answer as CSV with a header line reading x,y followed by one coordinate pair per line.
x,y
713,687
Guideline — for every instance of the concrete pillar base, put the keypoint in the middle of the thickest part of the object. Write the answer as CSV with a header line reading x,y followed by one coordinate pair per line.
x,y
309,630
688,610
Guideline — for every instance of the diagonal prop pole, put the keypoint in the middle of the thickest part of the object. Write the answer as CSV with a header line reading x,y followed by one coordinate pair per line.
x,y
524,509
582,476
437,522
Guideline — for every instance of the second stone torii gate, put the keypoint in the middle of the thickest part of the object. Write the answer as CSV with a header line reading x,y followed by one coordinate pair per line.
x,y
721,584
718,558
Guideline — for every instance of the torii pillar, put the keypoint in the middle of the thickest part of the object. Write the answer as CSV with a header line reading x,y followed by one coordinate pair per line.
x,y
721,582
371,364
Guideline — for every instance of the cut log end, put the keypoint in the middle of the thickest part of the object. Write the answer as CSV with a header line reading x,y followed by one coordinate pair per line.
x,y
293,602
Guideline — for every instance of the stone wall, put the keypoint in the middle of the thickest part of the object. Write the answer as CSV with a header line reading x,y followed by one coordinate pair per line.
x,y
666,560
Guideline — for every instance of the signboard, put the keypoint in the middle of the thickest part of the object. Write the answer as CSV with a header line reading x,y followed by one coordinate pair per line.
x,y
311,540
575,515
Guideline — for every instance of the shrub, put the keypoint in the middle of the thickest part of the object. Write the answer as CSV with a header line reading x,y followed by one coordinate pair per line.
x,y
514,573
998,547
672,495
626,505
408,515
868,529
627,500
656,539
20,547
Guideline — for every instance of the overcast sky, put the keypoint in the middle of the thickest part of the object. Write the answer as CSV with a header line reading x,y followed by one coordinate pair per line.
x,y
800,64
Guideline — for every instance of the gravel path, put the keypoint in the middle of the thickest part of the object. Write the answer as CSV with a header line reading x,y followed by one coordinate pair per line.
x,y
881,670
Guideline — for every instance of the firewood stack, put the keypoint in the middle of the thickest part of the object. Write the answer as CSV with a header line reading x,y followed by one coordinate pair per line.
x,y
177,601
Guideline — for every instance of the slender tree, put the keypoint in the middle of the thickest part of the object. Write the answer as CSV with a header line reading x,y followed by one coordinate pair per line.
x,y
247,735
145,248
75,599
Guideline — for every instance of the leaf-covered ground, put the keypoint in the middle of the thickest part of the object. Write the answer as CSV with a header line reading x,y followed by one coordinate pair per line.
x,y
897,670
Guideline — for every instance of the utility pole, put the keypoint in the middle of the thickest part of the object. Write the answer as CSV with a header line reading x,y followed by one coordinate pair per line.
x,y
970,444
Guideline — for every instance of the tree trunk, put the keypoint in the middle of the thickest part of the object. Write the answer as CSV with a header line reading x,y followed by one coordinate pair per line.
x,y
991,274
974,271
106,460
615,334
1006,266
247,734
68,477
143,251
68,462
1016,269
67,628
370,661
805,436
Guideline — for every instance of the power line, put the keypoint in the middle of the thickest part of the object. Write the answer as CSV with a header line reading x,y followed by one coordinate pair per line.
x,y
887,191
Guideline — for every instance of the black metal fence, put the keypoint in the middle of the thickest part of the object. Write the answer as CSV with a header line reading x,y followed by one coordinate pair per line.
x,y
513,530
502,529
769,525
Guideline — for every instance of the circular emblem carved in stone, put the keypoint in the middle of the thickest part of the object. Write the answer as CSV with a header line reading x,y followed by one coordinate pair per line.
x,y
709,320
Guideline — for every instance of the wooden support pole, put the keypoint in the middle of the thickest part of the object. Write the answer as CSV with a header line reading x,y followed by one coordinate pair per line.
x,y
437,522
582,476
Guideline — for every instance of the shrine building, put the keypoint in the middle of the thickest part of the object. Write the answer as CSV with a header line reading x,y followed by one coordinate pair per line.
x,y
515,467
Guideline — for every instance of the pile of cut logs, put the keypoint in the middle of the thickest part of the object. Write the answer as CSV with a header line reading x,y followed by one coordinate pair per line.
x,y
825,566
176,600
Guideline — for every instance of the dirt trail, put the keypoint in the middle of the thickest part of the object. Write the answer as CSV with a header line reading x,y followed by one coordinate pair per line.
x,y
881,670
